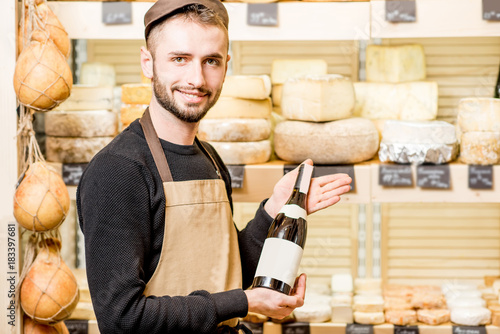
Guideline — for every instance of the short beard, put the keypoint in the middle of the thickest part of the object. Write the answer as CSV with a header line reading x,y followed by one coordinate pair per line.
x,y
160,92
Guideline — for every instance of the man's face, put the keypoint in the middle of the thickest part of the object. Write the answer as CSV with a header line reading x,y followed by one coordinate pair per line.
x,y
189,66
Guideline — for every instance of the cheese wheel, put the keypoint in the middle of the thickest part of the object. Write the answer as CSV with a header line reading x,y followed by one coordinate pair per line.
x,y
318,98
74,149
256,87
338,142
466,302
342,283
369,304
342,314
428,300
283,69
433,317
97,74
131,112
136,93
479,114
470,316
231,107
276,94
395,63
341,299
412,101
401,317
311,312
480,148
243,153
369,318
396,291
89,123
234,129
86,97
394,303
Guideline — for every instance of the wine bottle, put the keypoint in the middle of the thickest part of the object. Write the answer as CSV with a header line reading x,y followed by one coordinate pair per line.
x,y
282,251
497,86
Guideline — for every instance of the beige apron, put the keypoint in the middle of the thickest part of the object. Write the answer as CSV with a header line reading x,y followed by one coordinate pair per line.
x,y
200,244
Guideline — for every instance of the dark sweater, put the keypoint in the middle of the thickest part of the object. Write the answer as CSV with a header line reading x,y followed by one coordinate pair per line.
x,y
121,208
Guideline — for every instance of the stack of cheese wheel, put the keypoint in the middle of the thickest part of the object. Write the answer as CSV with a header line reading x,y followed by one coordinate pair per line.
x,y
238,125
342,293
467,307
368,304
318,110
81,126
478,123
490,293
395,86
283,69
135,99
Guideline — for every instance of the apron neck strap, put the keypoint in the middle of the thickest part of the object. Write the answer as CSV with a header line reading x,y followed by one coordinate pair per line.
x,y
155,147
157,150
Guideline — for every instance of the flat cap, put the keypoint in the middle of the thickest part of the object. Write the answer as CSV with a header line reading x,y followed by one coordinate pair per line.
x,y
163,8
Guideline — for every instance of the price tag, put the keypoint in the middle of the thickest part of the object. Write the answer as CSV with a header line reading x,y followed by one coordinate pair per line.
x,y
358,329
395,176
71,173
400,11
237,172
405,329
256,328
262,14
468,330
295,328
429,176
481,177
322,170
491,10
119,12
77,326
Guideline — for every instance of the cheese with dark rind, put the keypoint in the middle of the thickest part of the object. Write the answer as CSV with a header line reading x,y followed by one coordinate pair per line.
x,y
88,123
74,149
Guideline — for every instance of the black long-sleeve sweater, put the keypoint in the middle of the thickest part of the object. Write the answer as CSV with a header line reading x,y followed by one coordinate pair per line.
x,y
121,208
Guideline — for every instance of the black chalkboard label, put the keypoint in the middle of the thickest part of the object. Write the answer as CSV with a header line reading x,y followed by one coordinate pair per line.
x,y
256,328
237,173
71,173
395,176
262,14
322,170
400,11
405,329
481,177
491,10
433,176
117,12
295,328
468,330
77,326
358,329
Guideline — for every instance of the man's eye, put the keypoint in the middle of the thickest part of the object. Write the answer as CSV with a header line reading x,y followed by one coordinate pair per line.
x,y
212,62
178,59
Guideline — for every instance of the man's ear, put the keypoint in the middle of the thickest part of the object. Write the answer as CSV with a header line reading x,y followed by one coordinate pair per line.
x,y
146,63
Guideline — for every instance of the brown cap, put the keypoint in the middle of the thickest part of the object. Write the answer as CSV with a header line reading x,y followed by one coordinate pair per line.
x,y
163,8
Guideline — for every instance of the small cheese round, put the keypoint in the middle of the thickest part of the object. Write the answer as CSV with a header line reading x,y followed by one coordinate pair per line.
x,y
470,316
369,318
243,153
311,312
88,123
338,142
234,129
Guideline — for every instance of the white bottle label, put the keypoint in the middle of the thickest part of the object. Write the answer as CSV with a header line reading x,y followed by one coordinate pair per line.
x,y
306,178
280,259
294,211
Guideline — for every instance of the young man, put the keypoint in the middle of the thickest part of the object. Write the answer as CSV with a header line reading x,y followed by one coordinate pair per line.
x,y
162,252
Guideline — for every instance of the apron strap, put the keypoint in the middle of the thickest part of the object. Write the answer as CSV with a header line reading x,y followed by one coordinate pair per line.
x,y
204,150
155,147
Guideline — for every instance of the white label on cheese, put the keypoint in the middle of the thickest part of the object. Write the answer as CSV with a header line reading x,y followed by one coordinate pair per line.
x,y
280,259
293,211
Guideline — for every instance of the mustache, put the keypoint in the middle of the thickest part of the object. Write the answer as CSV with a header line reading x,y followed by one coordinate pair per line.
x,y
201,90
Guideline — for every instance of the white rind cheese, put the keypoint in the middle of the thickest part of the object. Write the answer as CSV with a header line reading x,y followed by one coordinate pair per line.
x,y
256,87
395,63
243,153
282,69
470,316
369,318
342,283
479,114
480,148
136,93
131,112
419,132
338,142
412,101
97,74
86,97
311,312
231,107
368,304
318,98
234,129
89,123
74,150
